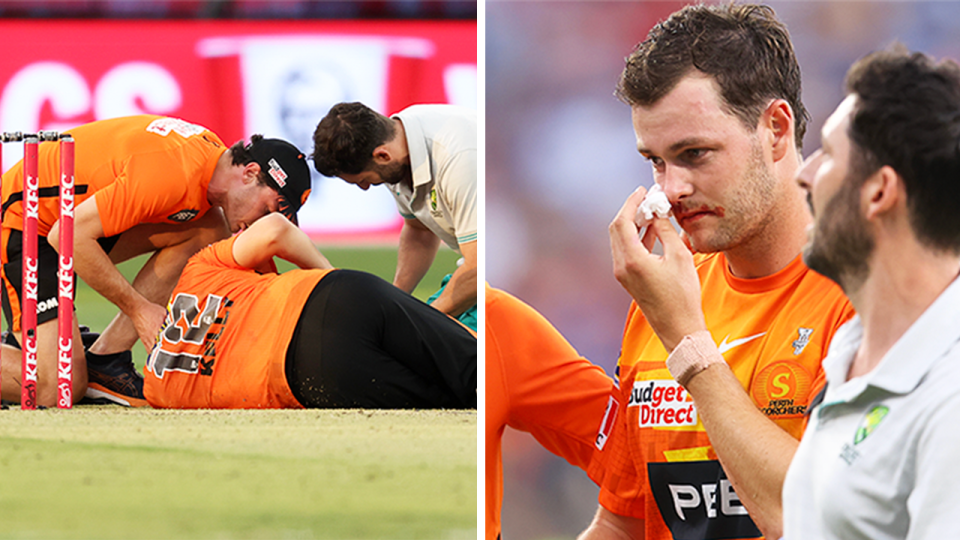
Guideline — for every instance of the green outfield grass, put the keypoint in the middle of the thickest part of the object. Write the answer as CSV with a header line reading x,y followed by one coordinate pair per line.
x,y
109,472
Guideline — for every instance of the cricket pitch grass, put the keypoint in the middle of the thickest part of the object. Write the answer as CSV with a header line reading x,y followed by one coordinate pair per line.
x,y
107,472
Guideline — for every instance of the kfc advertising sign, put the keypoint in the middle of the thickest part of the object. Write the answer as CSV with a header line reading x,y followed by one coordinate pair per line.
x,y
238,78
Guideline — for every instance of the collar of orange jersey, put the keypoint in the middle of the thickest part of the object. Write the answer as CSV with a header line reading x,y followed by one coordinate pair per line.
x,y
789,273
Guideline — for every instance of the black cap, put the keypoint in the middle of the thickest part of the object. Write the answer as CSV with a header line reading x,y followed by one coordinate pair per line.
x,y
286,166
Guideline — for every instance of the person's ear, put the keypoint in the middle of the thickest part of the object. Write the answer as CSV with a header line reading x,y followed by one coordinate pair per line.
x,y
882,193
382,155
251,171
778,121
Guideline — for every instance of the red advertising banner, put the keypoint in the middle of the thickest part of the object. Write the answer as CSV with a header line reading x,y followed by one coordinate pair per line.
x,y
237,78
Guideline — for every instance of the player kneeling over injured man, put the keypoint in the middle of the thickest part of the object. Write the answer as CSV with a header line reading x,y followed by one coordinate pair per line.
x,y
240,335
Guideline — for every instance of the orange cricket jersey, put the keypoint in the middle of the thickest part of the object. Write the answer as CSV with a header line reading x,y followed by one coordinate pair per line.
x,y
773,332
143,169
225,339
538,383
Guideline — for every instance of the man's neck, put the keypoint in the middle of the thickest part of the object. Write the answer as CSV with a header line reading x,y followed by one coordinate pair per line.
x,y
399,141
776,244
407,182
218,186
905,279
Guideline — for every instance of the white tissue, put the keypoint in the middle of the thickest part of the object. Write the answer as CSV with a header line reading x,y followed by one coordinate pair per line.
x,y
655,202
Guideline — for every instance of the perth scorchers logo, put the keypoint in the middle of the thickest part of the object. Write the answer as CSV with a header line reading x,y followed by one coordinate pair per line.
x,y
782,389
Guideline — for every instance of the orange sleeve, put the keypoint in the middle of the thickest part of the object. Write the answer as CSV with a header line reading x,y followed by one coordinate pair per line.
x,y
147,190
614,469
554,393
537,383
221,254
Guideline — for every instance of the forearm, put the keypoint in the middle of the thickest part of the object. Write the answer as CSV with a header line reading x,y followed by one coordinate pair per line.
x,y
299,249
754,451
274,236
460,294
94,266
418,248
609,526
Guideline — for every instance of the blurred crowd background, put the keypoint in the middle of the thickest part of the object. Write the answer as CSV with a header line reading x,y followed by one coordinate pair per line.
x,y
242,9
561,158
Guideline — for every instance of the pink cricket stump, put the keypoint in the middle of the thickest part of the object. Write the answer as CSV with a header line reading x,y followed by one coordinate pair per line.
x,y
28,305
65,277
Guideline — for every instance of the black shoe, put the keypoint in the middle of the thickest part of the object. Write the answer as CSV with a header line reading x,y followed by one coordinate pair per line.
x,y
113,377
87,337
7,338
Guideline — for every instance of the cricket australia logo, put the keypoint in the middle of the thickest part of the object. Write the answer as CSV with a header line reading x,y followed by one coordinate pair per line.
x,y
184,215
867,426
870,422
437,214
801,342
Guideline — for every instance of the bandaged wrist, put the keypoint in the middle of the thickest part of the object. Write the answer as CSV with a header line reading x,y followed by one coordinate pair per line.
x,y
695,353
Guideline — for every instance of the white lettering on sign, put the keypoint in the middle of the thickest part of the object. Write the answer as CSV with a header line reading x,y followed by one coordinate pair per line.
x,y
460,84
59,85
127,89
122,89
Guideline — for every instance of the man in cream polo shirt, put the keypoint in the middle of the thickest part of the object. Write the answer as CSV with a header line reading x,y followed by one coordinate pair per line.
x,y
878,458
427,154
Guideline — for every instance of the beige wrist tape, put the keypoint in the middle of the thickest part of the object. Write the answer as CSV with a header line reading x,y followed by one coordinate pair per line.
x,y
695,353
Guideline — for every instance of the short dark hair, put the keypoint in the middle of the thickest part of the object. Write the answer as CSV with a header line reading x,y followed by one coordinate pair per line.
x,y
240,155
745,48
346,137
907,116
